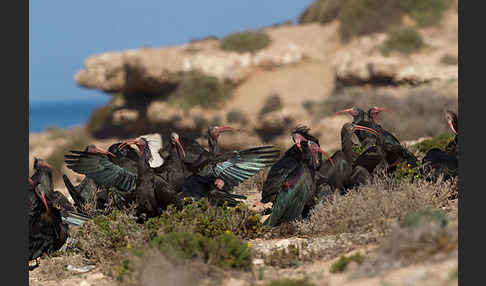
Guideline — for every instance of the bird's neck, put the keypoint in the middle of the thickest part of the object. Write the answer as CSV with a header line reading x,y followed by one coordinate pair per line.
x,y
213,144
347,145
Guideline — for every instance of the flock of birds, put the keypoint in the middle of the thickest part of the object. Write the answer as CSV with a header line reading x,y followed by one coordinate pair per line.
x,y
295,183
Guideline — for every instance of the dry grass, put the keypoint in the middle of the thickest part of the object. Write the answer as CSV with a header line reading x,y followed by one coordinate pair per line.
x,y
77,140
373,207
427,242
418,114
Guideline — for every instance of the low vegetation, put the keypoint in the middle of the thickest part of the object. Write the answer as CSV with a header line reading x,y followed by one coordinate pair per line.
x,y
449,60
343,262
272,103
247,41
358,17
236,116
198,89
373,207
290,282
75,140
425,12
321,11
405,40
423,236
99,117
440,142
212,236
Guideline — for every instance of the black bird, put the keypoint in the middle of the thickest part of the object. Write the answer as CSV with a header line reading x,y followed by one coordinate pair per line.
x,y
342,175
297,187
395,151
226,171
366,139
88,190
438,162
197,155
154,191
287,164
48,229
452,147
43,175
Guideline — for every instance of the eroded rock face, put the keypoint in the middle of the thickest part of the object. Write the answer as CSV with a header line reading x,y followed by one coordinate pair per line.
x,y
362,63
155,70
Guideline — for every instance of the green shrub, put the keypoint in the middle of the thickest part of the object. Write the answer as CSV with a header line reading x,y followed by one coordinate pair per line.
x,y
425,12
77,141
272,103
284,258
322,11
342,263
290,282
224,250
363,17
425,215
440,142
449,60
405,172
198,89
405,40
200,217
236,116
99,118
248,41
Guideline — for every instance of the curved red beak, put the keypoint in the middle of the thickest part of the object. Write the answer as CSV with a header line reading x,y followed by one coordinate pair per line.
x,y
180,147
364,128
451,126
43,198
349,110
31,182
127,142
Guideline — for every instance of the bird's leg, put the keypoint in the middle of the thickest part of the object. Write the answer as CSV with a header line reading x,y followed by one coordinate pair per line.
x,y
219,183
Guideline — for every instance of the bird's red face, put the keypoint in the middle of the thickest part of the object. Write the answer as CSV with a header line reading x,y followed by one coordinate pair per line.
x,y
94,149
449,122
217,130
174,137
375,110
298,139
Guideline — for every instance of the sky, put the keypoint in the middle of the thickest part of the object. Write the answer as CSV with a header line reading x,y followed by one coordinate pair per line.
x,y
62,34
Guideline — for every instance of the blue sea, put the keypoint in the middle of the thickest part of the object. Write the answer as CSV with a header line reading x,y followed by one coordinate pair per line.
x,y
64,114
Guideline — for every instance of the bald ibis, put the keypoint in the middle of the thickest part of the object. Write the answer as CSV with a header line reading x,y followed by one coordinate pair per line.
x,y
48,229
297,187
452,147
196,154
437,162
395,151
290,161
341,175
366,139
226,171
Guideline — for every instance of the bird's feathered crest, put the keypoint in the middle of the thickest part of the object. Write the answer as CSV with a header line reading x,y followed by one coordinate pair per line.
x,y
304,131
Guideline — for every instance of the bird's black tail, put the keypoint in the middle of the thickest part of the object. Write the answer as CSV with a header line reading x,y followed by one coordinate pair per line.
x,y
70,187
217,197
